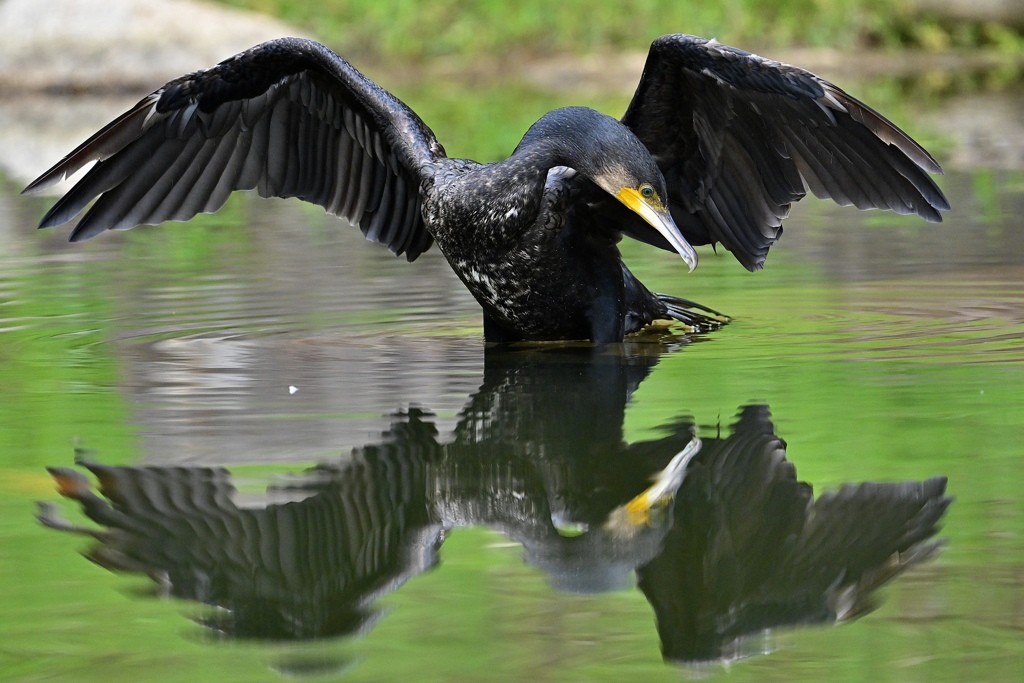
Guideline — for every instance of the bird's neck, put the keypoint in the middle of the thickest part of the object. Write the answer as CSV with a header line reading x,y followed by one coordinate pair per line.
x,y
520,180
508,192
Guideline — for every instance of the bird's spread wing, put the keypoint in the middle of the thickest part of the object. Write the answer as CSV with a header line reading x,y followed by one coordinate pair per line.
x,y
740,138
288,118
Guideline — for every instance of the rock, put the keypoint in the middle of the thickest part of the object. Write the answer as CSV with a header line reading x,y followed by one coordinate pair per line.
x,y
108,52
119,45
986,130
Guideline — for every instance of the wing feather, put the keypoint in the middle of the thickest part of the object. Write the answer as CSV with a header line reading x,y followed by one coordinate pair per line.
x,y
339,191
218,179
134,171
740,138
184,182
392,228
288,118
255,161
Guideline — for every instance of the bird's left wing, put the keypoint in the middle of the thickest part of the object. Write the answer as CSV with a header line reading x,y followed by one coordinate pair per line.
x,y
739,138
289,118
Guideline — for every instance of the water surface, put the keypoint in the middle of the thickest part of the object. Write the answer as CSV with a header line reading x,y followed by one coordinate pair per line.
x,y
487,492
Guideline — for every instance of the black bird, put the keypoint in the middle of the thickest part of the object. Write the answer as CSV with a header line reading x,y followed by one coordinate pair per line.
x,y
715,146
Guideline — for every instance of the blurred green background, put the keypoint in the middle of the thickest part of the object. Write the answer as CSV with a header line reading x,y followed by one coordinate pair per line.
x,y
414,29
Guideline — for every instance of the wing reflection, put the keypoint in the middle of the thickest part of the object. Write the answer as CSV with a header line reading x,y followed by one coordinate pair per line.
x,y
724,540
750,549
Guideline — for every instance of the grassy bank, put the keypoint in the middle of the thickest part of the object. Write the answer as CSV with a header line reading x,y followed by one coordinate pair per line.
x,y
467,28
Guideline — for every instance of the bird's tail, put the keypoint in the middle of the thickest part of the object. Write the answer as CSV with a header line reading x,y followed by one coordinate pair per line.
x,y
695,316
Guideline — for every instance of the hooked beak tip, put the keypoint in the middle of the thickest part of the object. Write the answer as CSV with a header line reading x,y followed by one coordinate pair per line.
x,y
690,257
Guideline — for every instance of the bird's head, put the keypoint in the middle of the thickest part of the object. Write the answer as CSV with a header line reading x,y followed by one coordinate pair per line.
x,y
609,154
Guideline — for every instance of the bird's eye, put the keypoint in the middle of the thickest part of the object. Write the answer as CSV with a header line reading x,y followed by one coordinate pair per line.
x,y
646,191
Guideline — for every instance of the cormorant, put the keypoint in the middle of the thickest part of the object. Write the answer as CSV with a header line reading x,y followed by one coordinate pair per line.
x,y
715,146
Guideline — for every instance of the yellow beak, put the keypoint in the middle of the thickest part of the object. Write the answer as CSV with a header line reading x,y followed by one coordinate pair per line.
x,y
661,220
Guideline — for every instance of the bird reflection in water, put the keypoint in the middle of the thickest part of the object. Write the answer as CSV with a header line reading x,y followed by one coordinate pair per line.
x,y
720,536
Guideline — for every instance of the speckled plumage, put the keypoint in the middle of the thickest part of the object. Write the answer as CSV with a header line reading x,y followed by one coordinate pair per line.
x,y
522,236
714,148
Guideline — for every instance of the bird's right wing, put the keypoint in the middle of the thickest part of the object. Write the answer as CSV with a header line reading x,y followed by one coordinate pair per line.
x,y
740,138
289,118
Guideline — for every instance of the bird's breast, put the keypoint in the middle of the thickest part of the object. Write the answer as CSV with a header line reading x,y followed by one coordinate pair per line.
x,y
503,235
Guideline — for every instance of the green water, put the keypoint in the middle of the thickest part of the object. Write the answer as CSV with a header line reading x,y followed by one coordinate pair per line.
x,y
886,350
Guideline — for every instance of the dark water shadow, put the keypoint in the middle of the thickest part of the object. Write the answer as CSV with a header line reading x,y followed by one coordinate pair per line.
x,y
718,533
